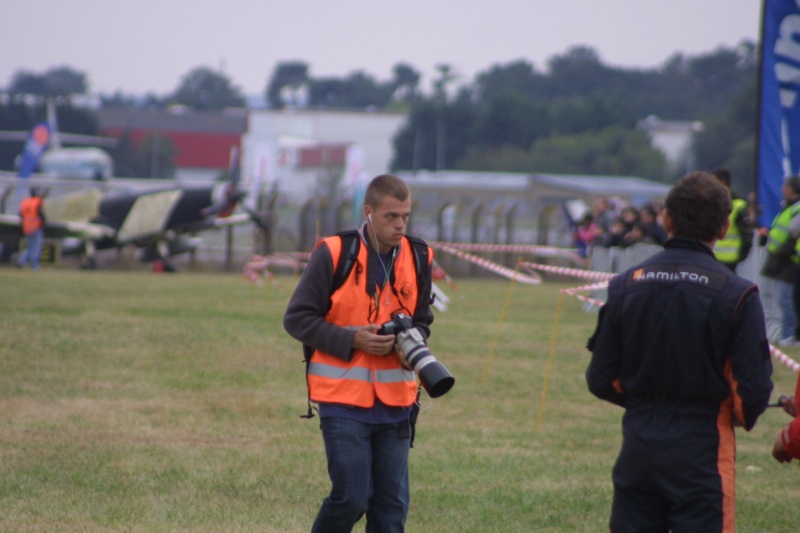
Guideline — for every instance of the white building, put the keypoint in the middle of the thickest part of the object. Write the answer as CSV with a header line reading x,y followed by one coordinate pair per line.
x,y
674,138
300,151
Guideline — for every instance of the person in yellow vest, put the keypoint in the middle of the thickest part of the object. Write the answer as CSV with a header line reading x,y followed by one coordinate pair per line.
x,y
32,220
782,259
735,246
364,390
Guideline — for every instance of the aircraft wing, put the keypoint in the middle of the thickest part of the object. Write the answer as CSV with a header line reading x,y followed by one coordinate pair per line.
x,y
10,226
233,220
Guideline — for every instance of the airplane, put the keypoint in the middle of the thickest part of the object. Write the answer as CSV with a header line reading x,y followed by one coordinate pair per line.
x,y
158,220
44,150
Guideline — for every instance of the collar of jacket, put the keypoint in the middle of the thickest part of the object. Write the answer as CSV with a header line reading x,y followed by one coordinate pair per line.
x,y
688,244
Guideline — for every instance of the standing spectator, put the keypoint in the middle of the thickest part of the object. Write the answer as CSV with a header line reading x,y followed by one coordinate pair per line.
x,y
735,246
782,259
630,216
602,213
32,219
681,345
652,230
584,234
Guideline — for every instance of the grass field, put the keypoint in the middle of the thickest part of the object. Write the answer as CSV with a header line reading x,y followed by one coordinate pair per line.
x,y
140,402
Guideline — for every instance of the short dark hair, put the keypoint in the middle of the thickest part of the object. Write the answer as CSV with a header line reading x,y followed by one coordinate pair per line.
x,y
698,206
793,182
723,175
385,185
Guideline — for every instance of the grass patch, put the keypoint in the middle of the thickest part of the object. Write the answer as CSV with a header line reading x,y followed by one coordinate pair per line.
x,y
141,402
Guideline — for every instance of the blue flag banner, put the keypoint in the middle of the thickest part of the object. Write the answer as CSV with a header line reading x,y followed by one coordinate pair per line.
x,y
779,124
37,141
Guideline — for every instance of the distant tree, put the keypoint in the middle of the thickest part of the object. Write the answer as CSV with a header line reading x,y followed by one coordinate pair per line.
x,y
15,115
418,144
405,82
578,72
589,113
326,92
357,91
24,82
64,81
518,77
203,88
292,74
118,100
495,159
729,139
614,151
511,119
60,81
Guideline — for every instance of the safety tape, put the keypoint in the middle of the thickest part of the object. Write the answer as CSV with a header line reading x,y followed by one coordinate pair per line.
x,y
494,267
565,271
593,286
783,358
534,249
259,266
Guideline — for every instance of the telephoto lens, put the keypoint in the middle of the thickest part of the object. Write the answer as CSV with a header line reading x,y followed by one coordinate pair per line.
x,y
435,378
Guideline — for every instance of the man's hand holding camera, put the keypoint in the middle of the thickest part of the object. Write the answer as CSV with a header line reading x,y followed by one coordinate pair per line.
x,y
368,340
410,350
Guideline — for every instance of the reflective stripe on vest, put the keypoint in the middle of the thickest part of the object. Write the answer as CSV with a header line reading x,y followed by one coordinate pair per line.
x,y
366,376
360,374
727,249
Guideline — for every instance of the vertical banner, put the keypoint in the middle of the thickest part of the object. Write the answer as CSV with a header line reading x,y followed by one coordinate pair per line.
x,y
779,106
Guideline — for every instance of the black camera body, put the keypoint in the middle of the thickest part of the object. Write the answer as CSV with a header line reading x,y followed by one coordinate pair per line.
x,y
435,378
399,322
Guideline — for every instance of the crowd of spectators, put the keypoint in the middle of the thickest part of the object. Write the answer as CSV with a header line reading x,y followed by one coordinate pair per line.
x,y
612,222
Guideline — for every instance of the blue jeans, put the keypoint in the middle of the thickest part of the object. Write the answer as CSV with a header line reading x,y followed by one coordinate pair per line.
x,y
33,249
368,468
786,302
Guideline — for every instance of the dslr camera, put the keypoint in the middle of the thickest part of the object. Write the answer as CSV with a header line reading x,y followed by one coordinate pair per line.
x,y
434,377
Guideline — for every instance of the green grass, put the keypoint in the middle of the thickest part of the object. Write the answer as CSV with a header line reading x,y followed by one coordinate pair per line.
x,y
142,402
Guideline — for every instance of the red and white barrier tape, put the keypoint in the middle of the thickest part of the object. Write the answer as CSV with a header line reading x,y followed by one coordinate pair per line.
x,y
565,271
493,267
532,249
259,265
783,358
593,301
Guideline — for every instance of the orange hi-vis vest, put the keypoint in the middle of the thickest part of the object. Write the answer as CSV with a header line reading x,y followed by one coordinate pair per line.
x,y
29,212
366,376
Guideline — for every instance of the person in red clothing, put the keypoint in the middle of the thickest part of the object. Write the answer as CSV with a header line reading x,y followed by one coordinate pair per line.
x,y
787,443
32,220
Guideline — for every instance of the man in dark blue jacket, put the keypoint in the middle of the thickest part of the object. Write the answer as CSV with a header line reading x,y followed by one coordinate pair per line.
x,y
681,345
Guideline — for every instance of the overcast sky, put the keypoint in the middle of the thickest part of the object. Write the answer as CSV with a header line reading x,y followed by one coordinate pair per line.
x,y
147,46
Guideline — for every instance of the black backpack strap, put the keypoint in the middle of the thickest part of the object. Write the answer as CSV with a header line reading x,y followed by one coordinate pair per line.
x,y
421,263
307,351
351,242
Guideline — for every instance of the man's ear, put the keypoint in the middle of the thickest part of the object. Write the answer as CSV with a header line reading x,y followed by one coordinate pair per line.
x,y
724,230
667,222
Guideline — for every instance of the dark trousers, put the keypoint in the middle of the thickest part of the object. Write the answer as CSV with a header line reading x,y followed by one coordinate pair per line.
x,y
368,468
673,474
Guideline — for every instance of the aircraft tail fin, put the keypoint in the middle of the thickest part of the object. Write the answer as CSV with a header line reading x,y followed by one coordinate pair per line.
x,y
35,145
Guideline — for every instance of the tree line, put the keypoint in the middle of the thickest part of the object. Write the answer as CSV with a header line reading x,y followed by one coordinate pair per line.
x,y
578,115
